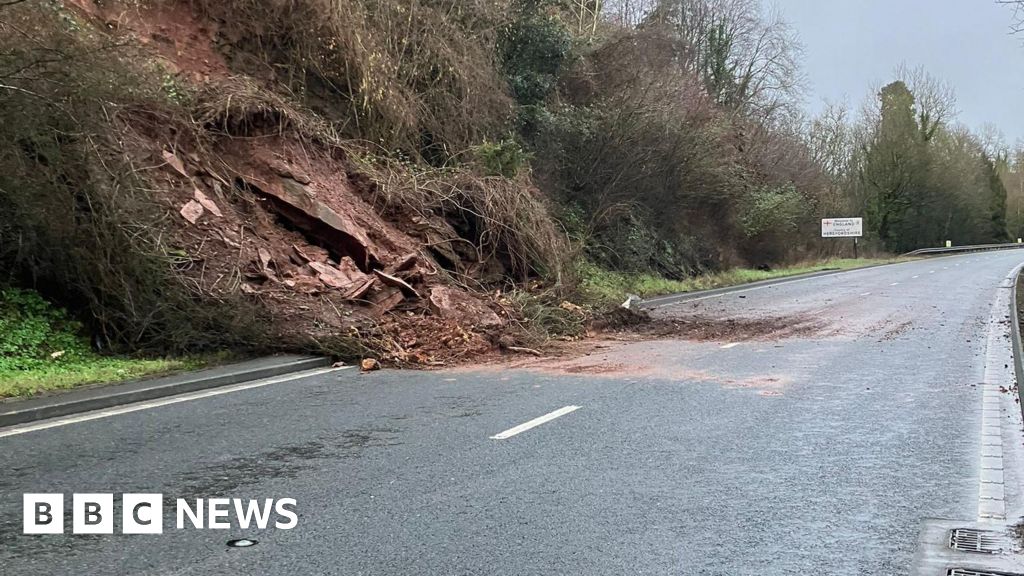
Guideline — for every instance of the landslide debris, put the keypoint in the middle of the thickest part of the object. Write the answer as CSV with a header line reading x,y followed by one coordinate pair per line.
x,y
245,204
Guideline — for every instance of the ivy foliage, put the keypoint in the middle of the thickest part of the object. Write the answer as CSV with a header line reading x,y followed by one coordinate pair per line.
x,y
33,332
533,48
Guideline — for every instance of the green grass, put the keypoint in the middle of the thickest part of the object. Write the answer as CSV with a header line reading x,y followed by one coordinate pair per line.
x,y
93,370
603,287
42,348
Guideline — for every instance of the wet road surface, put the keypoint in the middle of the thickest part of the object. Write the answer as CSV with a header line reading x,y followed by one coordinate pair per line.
x,y
818,450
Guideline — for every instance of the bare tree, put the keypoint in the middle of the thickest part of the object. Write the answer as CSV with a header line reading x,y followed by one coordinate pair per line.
x,y
1018,14
627,13
992,140
831,141
587,14
935,99
748,58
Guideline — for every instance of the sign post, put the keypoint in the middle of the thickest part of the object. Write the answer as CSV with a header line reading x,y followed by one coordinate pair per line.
x,y
843,228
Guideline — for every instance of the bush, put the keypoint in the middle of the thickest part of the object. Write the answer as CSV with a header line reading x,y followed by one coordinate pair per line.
x,y
33,332
42,349
505,158
533,48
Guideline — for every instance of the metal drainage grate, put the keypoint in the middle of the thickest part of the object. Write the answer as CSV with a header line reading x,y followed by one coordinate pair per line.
x,y
972,572
971,540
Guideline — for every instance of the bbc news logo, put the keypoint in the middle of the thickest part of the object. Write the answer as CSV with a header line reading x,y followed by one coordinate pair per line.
x,y
144,513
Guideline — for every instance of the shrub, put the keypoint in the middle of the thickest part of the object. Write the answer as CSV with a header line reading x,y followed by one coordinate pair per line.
x,y
771,210
533,47
31,330
505,158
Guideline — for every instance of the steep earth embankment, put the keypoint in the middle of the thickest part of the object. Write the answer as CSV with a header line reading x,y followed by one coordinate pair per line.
x,y
261,200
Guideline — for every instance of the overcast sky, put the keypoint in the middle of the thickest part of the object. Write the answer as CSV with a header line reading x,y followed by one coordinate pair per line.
x,y
851,45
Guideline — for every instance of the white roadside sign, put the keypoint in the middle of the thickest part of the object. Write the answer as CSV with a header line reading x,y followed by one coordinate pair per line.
x,y
842,227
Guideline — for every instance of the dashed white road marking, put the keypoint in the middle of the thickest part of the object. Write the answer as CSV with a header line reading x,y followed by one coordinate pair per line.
x,y
729,345
534,423
931,271
894,284
915,277
95,415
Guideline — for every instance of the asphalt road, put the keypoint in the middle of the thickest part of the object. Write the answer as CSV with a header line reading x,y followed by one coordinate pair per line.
x,y
817,452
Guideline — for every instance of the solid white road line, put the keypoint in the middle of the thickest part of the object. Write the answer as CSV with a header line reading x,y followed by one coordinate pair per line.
x,y
43,425
729,345
654,301
534,423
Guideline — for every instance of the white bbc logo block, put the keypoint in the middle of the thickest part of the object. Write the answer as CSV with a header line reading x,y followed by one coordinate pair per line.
x,y
92,514
142,514
43,513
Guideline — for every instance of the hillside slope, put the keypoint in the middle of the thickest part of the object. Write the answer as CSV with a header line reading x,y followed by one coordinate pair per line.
x,y
280,232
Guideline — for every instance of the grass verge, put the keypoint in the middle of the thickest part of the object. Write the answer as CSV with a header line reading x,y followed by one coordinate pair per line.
x,y
602,287
43,349
95,370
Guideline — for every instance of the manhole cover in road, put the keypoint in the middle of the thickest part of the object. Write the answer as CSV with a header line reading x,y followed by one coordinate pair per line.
x,y
972,572
971,540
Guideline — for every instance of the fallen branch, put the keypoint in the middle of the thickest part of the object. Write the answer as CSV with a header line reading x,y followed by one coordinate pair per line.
x,y
524,350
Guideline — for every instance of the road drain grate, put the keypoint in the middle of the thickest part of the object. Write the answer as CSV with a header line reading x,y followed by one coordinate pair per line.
x,y
972,572
970,540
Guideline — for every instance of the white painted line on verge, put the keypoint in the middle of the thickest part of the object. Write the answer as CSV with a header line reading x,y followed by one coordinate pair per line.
x,y
534,423
729,345
95,415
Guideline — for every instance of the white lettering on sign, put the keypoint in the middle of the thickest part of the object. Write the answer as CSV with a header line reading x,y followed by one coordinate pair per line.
x,y
842,227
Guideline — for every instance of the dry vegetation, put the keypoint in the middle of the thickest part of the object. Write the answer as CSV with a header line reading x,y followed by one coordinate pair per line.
x,y
422,180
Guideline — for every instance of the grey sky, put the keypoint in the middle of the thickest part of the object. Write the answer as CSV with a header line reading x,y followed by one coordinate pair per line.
x,y
852,45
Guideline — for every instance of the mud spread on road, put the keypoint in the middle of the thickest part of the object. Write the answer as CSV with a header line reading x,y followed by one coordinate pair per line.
x,y
704,328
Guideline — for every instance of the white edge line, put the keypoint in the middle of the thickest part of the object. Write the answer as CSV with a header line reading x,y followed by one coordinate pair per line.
x,y
752,288
534,423
105,413
654,301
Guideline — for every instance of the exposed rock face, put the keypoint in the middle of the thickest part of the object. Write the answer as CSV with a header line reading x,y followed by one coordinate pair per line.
x,y
297,204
